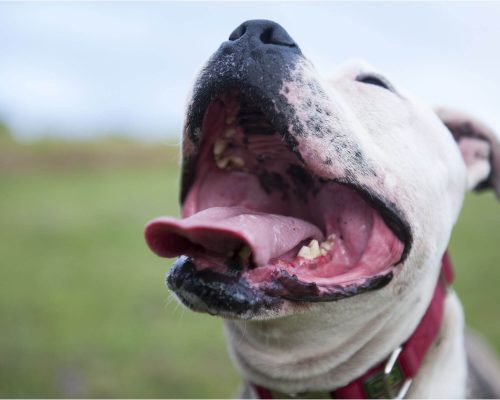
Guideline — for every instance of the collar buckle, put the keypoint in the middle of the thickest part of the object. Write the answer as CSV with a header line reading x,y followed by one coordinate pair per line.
x,y
389,368
390,383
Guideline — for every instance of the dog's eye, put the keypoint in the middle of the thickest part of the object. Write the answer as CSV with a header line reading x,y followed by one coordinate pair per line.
x,y
376,80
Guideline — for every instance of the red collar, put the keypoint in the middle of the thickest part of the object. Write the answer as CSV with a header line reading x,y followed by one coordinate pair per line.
x,y
392,377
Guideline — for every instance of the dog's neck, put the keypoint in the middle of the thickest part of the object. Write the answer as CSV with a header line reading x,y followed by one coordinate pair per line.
x,y
327,348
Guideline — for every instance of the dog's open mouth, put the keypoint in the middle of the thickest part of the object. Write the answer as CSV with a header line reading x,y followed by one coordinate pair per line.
x,y
254,214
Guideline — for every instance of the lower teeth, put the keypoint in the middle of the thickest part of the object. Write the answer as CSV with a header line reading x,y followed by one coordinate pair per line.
x,y
315,249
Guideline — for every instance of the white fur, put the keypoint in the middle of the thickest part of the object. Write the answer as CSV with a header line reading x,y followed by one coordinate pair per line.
x,y
417,164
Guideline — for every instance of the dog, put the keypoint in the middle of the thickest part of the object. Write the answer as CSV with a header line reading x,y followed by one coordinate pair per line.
x,y
315,219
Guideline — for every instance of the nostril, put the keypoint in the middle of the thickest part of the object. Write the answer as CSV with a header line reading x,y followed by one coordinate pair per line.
x,y
275,34
238,32
266,36
262,32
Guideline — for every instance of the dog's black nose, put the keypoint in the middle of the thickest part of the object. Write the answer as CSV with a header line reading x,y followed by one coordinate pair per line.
x,y
264,32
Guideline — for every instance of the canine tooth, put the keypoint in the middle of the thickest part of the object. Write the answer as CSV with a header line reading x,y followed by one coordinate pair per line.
x,y
219,146
323,252
236,161
305,252
222,162
314,246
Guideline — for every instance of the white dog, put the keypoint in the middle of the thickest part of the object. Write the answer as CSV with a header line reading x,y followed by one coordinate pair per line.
x,y
316,215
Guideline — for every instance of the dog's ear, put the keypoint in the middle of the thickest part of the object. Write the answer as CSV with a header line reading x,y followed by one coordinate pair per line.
x,y
480,148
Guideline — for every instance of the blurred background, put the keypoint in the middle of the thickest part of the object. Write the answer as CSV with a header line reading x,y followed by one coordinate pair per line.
x,y
91,105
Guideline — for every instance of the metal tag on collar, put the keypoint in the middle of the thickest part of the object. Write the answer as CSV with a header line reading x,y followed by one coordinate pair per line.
x,y
389,383
392,362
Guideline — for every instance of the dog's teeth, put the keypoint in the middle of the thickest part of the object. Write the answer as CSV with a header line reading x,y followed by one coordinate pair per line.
x,y
326,246
314,246
311,251
305,252
219,146
236,162
222,162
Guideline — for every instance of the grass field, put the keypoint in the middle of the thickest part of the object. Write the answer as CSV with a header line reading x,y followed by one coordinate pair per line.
x,y
83,307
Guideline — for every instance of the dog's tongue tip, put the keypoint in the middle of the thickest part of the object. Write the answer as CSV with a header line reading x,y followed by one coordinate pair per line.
x,y
223,229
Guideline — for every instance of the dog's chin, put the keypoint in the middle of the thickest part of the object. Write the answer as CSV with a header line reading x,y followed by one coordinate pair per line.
x,y
260,232
231,296
225,295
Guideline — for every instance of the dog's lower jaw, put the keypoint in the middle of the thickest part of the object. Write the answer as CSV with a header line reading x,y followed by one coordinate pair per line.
x,y
307,352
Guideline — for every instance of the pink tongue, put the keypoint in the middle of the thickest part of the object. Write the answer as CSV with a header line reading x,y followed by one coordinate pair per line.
x,y
224,229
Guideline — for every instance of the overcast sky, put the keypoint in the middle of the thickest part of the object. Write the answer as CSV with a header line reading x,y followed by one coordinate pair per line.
x,y
80,69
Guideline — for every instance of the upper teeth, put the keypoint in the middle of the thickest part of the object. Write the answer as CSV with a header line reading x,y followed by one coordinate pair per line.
x,y
236,162
219,146
222,162
231,161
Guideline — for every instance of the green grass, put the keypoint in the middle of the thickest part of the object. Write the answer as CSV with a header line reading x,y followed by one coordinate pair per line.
x,y
83,307
475,251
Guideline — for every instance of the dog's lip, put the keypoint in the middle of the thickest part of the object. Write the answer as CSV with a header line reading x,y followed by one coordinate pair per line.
x,y
230,295
227,295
